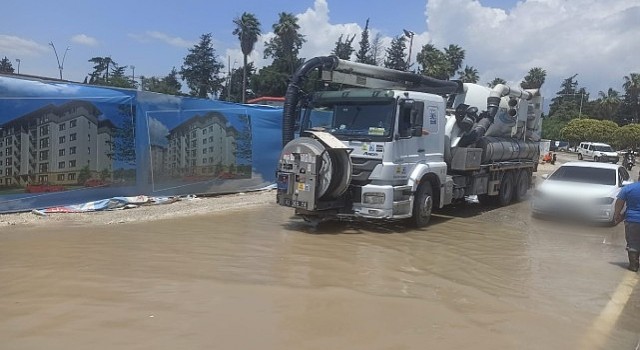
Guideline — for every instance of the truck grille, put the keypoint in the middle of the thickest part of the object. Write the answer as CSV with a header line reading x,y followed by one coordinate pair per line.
x,y
362,168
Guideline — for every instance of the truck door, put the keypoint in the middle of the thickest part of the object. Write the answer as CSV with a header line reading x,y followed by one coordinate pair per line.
x,y
408,141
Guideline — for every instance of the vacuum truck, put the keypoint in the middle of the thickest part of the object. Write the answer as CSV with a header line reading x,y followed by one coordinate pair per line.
x,y
396,145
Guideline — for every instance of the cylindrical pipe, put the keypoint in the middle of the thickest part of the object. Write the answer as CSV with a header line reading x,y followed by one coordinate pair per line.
x,y
500,90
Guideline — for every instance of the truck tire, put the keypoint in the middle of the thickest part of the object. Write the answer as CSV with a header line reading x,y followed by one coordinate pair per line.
x,y
579,156
522,185
422,205
596,159
507,187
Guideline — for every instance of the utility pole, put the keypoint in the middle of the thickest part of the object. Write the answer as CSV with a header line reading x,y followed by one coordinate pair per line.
x,y
133,75
409,34
60,65
18,62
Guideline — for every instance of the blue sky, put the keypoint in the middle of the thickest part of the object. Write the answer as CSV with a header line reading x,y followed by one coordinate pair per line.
x,y
596,39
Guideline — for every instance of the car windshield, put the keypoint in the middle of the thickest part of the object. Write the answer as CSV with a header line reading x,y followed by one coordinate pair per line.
x,y
603,148
353,121
599,176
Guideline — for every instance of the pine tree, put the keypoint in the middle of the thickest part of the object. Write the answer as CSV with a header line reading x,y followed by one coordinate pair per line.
x,y
364,53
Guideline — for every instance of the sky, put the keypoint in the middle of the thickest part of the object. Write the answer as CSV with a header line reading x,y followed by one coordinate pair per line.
x,y
596,39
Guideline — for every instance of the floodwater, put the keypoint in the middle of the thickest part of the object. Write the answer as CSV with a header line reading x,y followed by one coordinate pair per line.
x,y
260,279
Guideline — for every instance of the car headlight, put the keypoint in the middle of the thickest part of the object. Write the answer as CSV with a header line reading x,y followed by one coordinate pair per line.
x,y
604,200
373,198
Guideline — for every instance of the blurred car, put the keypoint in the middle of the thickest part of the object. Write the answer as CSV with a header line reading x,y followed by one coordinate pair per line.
x,y
598,152
582,190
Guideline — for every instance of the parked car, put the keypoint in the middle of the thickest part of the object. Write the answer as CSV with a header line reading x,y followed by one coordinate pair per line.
x,y
598,152
583,190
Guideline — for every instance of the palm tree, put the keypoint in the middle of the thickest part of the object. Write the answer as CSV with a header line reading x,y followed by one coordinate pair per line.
x,y
534,79
287,30
496,81
455,55
608,103
468,75
248,30
632,90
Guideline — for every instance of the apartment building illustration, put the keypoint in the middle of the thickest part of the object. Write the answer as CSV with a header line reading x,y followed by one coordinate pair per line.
x,y
52,144
202,146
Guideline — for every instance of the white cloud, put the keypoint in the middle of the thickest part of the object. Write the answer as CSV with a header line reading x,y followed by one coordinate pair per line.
x,y
159,36
19,47
597,40
84,39
157,132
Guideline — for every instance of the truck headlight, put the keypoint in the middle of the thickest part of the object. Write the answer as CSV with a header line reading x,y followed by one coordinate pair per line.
x,y
373,198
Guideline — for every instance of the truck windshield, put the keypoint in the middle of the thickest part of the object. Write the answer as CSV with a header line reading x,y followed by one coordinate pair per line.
x,y
352,120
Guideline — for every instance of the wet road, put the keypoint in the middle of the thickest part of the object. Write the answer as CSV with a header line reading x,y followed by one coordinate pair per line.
x,y
260,279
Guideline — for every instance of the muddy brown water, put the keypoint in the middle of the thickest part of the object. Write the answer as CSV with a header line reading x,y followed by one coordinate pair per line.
x,y
260,279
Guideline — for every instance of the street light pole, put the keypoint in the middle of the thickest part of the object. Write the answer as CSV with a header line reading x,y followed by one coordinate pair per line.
x,y
18,61
409,34
60,65
133,74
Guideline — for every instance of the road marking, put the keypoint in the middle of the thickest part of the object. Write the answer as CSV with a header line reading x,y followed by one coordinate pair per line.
x,y
601,328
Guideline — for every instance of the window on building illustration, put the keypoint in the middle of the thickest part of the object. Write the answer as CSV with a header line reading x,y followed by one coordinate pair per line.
x,y
0,181
61,165
61,127
193,153
211,149
204,160
7,172
210,138
44,155
193,143
9,181
204,131
72,164
43,167
89,136
204,141
88,150
44,130
60,177
43,179
72,150
62,139
204,151
72,124
72,137
61,152
71,176
9,150
44,143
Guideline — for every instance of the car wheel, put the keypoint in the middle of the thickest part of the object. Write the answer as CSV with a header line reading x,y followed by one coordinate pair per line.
x,y
522,185
579,156
506,189
596,159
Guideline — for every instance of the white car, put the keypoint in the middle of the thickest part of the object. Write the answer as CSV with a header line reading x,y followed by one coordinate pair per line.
x,y
598,152
582,190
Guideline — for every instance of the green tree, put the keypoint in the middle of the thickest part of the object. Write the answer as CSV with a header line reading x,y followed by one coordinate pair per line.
x,y
455,55
248,30
496,81
201,69
468,75
568,90
107,72
285,46
608,104
534,79
585,129
396,58
627,136
552,128
344,49
233,89
169,84
364,54
377,50
105,174
433,62
631,103
6,66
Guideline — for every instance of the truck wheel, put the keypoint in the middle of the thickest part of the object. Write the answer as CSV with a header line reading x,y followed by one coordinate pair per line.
x,y
422,205
522,185
596,159
579,156
506,189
